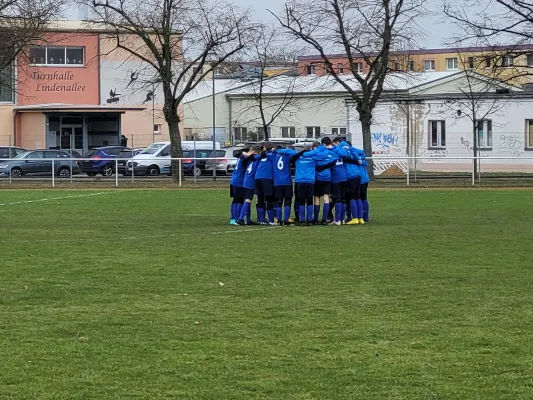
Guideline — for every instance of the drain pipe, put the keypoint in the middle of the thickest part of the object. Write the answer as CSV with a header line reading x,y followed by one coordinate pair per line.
x,y
15,113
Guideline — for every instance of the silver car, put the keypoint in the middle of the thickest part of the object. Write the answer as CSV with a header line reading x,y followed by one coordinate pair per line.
x,y
226,159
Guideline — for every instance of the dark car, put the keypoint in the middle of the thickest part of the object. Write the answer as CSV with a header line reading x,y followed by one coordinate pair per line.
x,y
39,162
5,152
189,167
123,158
102,160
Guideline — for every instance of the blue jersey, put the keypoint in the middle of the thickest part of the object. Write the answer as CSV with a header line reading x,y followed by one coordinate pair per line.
x,y
362,167
352,170
306,165
325,175
338,172
249,178
264,169
237,178
282,167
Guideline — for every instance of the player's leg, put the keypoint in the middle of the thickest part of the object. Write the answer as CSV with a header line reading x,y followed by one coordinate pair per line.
x,y
364,200
278,195
239,196
233,208
245,212
359,202
300,200
352,191
310,189
296,204
344,200
325,211
268,189
260,205
316,202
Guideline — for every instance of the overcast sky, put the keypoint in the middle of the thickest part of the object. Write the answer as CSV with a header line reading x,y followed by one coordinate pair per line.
x,y
435,33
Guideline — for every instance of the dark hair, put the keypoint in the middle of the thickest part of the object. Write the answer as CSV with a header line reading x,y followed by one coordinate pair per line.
x,y
316,144
338,139
268,146
291,147
278,147
326,141
349,143
255,148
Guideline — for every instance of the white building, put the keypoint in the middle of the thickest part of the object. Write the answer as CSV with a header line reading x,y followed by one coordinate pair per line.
x,y
427,115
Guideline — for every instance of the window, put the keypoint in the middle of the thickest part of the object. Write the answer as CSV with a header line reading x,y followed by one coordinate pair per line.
x,y
470,62
340,68
35,154
488,62
326,69
338,131
312,132
411,65
429,65
57,55
530,60
195,70
261,133
396,66
240,134
165,152
437,134
288,131
359,67
311,69
157,129
7,84
507,61
529,133
451,64
484,134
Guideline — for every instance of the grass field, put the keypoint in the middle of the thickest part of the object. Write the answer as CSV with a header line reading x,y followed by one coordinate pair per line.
x,y
151,295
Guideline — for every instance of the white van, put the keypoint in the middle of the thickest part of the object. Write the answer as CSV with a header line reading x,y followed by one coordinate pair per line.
x,y
155,159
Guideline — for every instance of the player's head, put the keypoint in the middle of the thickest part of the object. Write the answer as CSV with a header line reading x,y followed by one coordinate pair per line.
x,y
255,149
268,146
338,140
326,141
291,147
278,147
316,144
349,144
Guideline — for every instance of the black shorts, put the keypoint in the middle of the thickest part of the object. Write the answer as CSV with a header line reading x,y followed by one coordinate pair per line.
x,y
305,191
363,191
338,191
283,192
353,186
248,194
237,192
264,187
322,188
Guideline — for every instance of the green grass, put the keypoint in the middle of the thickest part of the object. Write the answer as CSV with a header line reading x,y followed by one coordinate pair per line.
x,y
119,296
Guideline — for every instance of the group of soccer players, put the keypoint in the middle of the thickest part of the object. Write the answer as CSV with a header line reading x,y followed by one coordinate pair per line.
x,y
333,171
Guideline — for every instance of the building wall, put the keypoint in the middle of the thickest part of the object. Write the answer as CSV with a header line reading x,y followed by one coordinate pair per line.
x,y
33,130
69,84
323,112
389,136
6,125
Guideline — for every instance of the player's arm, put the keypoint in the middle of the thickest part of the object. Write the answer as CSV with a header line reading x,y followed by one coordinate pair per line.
x,y
298,155
326,166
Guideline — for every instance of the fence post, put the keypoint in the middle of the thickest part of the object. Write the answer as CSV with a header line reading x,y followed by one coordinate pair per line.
x,y
179,169
53,173
408,169
10,181
116,172
473,172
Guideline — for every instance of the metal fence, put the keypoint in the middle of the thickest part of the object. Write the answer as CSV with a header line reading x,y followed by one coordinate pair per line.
x,y
388,170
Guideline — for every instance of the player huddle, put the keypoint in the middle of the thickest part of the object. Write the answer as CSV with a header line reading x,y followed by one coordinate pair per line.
x,y
332,171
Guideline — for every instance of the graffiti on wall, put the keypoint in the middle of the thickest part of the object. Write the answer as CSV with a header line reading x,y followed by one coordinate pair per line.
x,y
510,145
384,140
465,144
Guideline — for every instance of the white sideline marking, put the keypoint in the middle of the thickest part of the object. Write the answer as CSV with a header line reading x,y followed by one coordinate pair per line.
x,y
52,198
133,237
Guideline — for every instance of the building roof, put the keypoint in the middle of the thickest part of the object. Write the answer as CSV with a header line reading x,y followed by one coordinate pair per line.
x,y
205,88
445,50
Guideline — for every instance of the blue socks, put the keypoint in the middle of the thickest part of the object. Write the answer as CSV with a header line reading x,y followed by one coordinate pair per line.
x,y
353,208
338,211
238,210
366,211
359,209
232,211
301,213
261,215
270,213
310,213
245,212
287,213
279,214
316,210
325,212
344,210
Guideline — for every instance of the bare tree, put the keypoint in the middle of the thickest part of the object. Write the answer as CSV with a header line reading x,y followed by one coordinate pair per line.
x,y
181,41
23,22
367,31
266,50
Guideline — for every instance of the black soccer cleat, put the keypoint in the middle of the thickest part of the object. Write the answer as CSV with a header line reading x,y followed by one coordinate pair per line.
x,y
240,222
324,223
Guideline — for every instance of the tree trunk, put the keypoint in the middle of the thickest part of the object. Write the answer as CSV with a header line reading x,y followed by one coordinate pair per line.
x,y
366,121
173,120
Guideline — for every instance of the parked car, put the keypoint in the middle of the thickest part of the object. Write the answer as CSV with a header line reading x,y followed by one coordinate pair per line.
x,y
155,159
102,160
123,158
198,169
39,162
226,160
15,151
